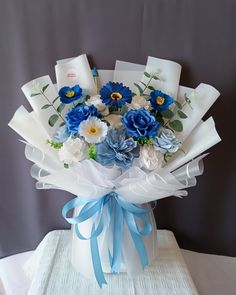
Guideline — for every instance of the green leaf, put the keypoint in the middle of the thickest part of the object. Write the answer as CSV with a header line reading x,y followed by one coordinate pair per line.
x,y
168,114
61,107
151,87
66,165
178,104
45,106
34,94
45,87
155,78
62,124
139,88
134,94
143,84
147,74
53,119
176,125
55,99
182,115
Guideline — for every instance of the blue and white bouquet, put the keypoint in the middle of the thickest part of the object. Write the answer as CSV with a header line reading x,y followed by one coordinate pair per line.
x,y
118,140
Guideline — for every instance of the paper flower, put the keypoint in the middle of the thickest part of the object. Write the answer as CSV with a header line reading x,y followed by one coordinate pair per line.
x,y
76,115
73,150
139,102
160,101
93,130
140,123
115,94
97,102
167,142
114,121
150,158
69,94
117,148
61,135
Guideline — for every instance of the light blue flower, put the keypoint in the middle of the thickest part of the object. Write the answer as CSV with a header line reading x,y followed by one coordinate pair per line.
x,y
166,142
160,101
61,135
118,149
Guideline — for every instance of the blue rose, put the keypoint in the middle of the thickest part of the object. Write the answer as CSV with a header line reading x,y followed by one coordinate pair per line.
x,y
61,135
160,101
115,94
118,149
167,142
69,94
140,123
76,115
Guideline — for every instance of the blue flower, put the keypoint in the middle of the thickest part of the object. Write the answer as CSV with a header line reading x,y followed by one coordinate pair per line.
x,y
61,135
167,142
69,94
115,94
160,101
76,115
118,149
140,123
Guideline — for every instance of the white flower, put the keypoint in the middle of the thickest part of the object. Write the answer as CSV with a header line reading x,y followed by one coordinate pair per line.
x,y
73,150
139,102
97,102
93,130
114,121
150,158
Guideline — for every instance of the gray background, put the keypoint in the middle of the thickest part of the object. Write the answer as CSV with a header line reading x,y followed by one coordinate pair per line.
x,y
198,34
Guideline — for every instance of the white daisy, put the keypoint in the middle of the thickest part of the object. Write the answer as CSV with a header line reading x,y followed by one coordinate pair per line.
x,y
93,130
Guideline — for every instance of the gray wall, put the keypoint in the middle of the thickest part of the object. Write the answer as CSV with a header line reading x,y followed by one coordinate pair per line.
x,y
198,34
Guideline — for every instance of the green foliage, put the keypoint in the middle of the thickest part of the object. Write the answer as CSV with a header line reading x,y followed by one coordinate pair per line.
x,y
182,115
55,99
147,74
34,94
53,119
139,88
92,152
144,140
45,87
178,104
66,165
167,114
55,145
61,107
46,106
176,125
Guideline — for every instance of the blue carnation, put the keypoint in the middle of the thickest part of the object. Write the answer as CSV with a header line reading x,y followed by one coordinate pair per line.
x,y
76,115
160,101
118,149
140,123
69,94
61,135
115,94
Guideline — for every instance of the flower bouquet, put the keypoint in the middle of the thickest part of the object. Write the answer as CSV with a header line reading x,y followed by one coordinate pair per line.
x,y
118,140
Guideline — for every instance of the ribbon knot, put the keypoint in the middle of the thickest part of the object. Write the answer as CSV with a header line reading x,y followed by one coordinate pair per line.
x,y
118,211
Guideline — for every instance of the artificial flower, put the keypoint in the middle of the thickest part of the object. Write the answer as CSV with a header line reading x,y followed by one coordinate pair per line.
x,y
73,150
166,141
114,121
160,101
139,102
150,158
140,123
118,149
115,94
69,94
76,115
97,102
93,130
61,135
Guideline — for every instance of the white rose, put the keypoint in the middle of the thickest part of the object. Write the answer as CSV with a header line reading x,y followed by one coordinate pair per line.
x,y
73,150
139,102
114,121
97,102
150,158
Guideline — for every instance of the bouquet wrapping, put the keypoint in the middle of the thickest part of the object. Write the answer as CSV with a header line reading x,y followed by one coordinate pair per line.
x,y
119,141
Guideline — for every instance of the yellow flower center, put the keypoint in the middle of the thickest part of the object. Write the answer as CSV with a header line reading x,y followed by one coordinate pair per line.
x,y
116,96
70,93
93,130
160,100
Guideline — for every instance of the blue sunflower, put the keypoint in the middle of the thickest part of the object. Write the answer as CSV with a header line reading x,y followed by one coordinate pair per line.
x,y
115,94
69,94
160,101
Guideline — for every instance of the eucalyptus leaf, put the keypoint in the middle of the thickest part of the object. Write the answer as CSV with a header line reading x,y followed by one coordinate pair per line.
x,y
55,99
143,84
61,107
178,104
151,87
147,74
168,114
45,87
45,106
139,88
53,119
182,115
155,78
62,124
176,125
34,94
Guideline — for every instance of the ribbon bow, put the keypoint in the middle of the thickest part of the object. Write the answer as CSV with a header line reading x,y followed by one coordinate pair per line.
x,y
121,211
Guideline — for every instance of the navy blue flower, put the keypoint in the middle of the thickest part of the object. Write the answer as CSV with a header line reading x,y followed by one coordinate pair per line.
x,y
70,94
160,101
115,94
118,149
76,115
140,123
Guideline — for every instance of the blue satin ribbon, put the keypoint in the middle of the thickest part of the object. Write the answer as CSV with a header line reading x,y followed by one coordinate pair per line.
x,y
118,210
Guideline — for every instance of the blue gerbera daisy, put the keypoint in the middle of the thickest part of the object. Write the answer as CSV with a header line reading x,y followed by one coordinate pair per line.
x,y
115,94
160,101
